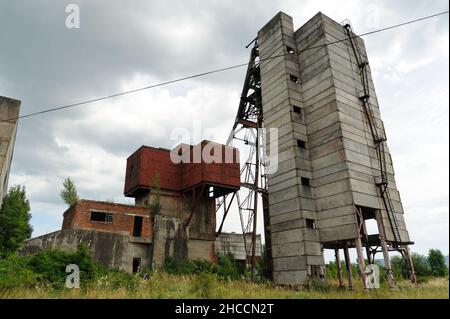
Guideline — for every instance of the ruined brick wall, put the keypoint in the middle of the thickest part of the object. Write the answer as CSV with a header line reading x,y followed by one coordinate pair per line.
x,y
69,218
79,217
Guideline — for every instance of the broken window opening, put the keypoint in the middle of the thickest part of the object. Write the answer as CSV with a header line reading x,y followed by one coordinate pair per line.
x,y
310,223
136,265
137,227
297,109
290,50
305,181
301,143
101,217
293,78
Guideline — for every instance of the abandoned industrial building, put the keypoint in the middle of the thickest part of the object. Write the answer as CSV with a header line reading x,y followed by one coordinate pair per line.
x,y
133,237
334,174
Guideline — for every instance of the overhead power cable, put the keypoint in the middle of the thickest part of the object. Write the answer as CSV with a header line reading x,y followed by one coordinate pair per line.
x,y
58,108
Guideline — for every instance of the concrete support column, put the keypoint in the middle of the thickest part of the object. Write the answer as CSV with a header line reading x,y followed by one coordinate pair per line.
x,y
361,263
412,273
369,255
339,267
384,247
348,266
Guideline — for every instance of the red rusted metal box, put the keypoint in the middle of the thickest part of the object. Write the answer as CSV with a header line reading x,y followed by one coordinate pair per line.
x,y
210,163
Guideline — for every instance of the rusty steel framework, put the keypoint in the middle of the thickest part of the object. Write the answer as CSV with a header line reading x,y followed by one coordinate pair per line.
x,y
247,128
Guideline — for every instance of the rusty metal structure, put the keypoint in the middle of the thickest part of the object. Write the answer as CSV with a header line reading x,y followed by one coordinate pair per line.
x,y
247,128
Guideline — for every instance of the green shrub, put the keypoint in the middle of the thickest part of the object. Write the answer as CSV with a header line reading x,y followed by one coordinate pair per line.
x,y
421,267
182,267
51,265
226,267
436,260
14,273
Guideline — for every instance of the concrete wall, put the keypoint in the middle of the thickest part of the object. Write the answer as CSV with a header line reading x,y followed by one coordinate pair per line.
x,y
170,240
201,232
295,247
111,250
9,109
232,243
336,153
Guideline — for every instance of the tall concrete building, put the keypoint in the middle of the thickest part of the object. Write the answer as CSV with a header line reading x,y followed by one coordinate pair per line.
x,y
9,111
335,171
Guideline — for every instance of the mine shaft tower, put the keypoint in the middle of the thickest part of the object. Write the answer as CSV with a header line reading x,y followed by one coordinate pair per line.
x,y
335,171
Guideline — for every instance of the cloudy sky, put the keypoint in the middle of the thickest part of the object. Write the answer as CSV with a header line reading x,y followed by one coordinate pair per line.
x,y
123,45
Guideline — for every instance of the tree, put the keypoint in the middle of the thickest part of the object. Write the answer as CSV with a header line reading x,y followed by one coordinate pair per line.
x,y
436,260
420,262
69,192
15,218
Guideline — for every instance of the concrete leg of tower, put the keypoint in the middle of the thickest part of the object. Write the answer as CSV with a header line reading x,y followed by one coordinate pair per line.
x,y
384,247
339,267
409,262
361,263
348,266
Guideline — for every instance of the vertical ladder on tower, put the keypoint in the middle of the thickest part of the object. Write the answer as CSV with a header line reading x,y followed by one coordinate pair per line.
x,y
378,138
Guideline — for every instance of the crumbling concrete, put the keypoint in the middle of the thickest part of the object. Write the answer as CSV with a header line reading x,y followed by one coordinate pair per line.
x,y
110,249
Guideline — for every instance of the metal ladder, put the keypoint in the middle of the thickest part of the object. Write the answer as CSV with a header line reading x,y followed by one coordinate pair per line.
x,y
378,138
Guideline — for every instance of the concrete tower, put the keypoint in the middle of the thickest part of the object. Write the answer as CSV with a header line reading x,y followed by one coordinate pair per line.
x,y
335,171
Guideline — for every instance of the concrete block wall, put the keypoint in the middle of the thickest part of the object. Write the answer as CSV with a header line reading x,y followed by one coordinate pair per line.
x,y
295,246
338,154
233,243
360,151
330,178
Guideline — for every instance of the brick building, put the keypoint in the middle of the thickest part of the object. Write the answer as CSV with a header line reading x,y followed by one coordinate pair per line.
x,y
109,217
118,236
182,225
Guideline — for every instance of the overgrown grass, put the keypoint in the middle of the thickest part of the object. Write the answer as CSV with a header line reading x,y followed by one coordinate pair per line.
x,y
43,276
166,286
226,267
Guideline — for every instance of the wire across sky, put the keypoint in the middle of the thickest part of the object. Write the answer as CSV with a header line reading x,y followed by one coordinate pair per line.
x,y
193,76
